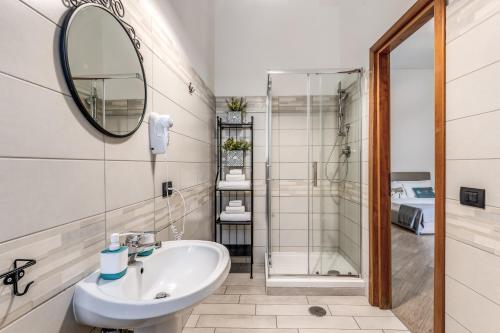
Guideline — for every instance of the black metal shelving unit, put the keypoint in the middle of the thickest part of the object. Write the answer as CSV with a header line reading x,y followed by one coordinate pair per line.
x,y
239,247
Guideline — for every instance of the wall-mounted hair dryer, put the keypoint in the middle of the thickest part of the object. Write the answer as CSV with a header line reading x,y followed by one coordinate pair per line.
x,y
158,132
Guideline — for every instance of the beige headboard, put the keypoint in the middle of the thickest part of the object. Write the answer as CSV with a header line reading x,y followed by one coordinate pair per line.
x,y
410,176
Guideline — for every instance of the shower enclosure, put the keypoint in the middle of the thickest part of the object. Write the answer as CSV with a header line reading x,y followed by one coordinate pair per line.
x,y
313,174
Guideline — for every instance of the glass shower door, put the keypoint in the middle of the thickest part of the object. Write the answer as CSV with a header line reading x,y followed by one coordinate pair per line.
x,y
289,178
334,157
313,174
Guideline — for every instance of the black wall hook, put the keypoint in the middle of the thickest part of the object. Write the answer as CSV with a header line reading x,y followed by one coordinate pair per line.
x,y
191,88
13,277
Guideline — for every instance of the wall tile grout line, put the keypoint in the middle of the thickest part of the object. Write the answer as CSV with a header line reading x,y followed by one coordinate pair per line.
x,y
472,289
39,13
450,120
472,244
463,33
51,228
472,71
459,323
23,80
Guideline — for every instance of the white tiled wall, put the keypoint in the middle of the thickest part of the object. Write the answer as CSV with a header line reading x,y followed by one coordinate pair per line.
x,y
473,103
64,186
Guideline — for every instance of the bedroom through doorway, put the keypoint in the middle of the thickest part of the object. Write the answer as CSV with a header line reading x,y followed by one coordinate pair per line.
x,y
412,179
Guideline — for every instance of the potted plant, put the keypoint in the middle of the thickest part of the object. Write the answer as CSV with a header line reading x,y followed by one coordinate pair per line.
x,y
237,108
235,151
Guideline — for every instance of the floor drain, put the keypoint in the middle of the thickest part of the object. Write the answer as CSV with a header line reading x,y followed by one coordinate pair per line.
x,y
317,311
161,295
333,272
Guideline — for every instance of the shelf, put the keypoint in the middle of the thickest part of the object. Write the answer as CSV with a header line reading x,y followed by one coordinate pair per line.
x,y
223,190
228,190
234,222
240,250
241,125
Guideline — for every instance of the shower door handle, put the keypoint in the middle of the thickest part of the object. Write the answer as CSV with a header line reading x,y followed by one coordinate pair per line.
x,y
315,174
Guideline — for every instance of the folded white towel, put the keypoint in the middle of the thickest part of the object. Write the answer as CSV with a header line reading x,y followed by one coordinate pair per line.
x,y
235,178
235,172
235,203
232,210
241,217
241,185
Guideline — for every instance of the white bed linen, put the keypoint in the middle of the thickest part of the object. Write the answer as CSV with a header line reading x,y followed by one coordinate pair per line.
x,y
427,206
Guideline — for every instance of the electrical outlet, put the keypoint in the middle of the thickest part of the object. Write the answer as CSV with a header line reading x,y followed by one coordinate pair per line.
x,y
165,186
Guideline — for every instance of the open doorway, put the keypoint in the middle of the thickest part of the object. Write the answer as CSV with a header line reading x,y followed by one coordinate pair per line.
x,y
423,271
412,179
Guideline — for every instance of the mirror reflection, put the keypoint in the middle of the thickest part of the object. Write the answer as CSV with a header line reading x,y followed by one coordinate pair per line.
x,y
104,71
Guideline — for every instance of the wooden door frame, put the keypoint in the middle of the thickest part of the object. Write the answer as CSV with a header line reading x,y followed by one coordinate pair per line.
x,y
380,274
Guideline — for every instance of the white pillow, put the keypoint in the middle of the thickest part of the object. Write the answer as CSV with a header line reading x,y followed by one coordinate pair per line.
x,y
409,185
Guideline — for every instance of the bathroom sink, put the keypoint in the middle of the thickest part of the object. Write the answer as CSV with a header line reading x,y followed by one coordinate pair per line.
x,y
151,296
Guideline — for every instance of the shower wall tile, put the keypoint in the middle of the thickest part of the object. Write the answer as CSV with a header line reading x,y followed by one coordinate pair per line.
x,y
292,137
292,121
293,170
64,184
293,154
293,204
293,221
325,221
295,238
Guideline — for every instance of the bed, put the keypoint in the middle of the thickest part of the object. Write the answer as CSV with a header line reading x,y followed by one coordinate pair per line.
x,y
404,202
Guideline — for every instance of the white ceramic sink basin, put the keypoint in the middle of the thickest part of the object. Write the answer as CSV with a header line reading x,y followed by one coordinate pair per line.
x,y
188,271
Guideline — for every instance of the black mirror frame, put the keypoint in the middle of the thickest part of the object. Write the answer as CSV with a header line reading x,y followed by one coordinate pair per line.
x,y
67,71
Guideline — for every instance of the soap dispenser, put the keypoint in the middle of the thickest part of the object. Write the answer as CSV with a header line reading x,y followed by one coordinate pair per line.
x,y
114,259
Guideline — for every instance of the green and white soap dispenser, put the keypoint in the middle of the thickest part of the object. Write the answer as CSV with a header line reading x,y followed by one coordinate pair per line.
x,y
114,259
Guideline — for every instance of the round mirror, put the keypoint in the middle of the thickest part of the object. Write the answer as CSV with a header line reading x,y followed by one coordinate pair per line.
x,y
103,70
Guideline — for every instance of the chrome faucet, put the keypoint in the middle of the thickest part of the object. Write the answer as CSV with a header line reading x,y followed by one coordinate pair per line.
x,y
135,241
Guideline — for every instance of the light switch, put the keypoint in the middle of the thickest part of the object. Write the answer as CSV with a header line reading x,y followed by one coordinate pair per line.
x,y
472,197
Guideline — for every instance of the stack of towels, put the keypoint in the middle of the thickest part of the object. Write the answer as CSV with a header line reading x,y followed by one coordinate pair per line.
x,y
235,212
235,180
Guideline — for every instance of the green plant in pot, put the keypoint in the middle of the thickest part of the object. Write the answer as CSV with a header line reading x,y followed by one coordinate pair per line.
x,y
237,108
235,151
